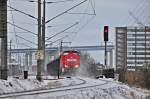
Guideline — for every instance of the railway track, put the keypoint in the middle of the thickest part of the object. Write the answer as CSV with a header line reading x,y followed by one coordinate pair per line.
x,y
37,91
53,90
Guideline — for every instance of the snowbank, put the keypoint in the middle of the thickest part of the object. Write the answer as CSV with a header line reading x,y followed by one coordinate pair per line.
x,y
110,90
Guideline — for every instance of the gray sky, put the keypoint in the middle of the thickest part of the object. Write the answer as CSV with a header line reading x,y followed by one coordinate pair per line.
x,y
90,28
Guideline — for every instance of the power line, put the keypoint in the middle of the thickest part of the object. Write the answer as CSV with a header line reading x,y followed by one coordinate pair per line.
x,y
52,1
145,13
82,13
74,13
128,19
26,40
24,45
57,40
83,17
26,23
14,27
65,11
136,19
84,25
59,25
62,31
137,12
93,6
22,28
94,13
141,11
18,32
22,0
87,22
60,1
23,12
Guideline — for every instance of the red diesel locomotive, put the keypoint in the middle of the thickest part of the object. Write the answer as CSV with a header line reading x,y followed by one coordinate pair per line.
x,y
68,62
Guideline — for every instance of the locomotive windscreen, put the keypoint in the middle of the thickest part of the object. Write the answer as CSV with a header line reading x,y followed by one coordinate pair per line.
x,y
65,52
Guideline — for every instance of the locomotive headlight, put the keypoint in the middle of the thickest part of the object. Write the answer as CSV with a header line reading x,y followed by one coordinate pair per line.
x,y
66,66
76,66
71,60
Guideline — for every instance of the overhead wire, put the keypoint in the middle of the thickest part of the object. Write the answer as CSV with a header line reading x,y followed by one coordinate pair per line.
x,y
129,20
141,12
62,31
94,13
83,26
82,13
25,45
14,25
93,6
26,40
62,14
22,0
83,16
62,1
50,19
137,11
14,28
65,11
56,40
18,32
50,2
22,28
26,23
59,25
145,13
22,12
86,13
86,23
17,41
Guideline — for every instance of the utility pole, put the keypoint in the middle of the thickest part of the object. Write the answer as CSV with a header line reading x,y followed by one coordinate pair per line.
x,y
43,37
3,39
59,56
39,61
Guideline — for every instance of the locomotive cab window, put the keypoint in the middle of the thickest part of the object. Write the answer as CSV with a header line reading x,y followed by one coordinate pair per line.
x,y
65,53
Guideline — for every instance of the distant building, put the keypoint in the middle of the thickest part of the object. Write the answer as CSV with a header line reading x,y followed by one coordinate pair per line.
x,y
132,47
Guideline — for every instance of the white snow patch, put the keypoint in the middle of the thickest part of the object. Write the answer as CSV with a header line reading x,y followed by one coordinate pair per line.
x,y
108,89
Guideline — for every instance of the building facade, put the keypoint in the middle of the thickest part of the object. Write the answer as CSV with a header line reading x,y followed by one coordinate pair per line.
x,y
132,47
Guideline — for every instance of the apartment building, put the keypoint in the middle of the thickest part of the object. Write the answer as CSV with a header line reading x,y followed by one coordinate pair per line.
x,y
132,47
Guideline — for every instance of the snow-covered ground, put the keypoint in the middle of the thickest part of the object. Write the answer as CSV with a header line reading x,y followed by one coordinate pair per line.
x,y
92,89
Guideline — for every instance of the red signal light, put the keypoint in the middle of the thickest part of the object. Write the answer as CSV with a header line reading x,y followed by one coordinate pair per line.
x,y
105,33
106,29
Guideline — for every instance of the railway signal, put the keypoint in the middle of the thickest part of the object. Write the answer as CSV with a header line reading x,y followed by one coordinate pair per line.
x,y
106,33
106,39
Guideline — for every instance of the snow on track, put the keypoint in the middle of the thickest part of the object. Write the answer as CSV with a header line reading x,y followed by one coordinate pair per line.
x,y
90,89
50,86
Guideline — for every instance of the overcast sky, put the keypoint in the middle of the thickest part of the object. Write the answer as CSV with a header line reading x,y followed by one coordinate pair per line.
x,y
89,31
